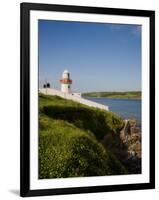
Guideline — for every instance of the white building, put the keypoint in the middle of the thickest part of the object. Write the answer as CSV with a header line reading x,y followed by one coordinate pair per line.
x,y
68,94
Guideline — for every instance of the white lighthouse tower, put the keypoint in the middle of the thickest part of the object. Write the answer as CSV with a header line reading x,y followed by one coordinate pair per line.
x,y
66,82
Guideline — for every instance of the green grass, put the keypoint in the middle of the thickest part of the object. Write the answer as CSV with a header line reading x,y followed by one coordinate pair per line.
x,y
115,95
69,139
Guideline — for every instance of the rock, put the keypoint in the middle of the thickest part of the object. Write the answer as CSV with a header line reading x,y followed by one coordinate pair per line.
x,y
126,146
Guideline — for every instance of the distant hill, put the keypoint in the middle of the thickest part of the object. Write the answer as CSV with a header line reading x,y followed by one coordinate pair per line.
x,y
115,95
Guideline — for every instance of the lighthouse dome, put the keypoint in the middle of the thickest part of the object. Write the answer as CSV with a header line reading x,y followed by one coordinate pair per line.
x,y
66,74
65,71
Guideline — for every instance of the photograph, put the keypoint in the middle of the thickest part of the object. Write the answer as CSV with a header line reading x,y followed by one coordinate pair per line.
x,y
90,98
87,99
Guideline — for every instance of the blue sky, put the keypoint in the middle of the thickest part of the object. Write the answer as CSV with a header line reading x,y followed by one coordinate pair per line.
x,y
100,57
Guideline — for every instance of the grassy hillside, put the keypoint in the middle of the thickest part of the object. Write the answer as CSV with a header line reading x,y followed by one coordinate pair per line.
x,y
70,137
115,95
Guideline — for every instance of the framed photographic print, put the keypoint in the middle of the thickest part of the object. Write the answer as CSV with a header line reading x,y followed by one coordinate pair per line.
x,y
87,99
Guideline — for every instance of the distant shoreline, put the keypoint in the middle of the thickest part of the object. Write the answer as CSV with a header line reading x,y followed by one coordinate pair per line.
x,y
132,95
114,98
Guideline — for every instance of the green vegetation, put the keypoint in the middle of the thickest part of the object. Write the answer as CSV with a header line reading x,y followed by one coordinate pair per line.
x,y
70,137
115,95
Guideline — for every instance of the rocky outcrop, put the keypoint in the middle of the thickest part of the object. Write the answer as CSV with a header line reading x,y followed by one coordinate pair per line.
x,y
131,136
126,146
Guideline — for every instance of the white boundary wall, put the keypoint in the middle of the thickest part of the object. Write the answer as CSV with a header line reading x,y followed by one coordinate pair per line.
x,y
71,96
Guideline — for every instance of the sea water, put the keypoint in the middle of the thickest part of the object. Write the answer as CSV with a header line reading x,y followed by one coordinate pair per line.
x,y
126,108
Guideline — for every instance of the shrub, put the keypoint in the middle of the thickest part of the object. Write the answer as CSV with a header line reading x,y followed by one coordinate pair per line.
x,y
97,121
66,151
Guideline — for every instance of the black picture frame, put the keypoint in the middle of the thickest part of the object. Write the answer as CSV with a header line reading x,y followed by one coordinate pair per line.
x,y
25,9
